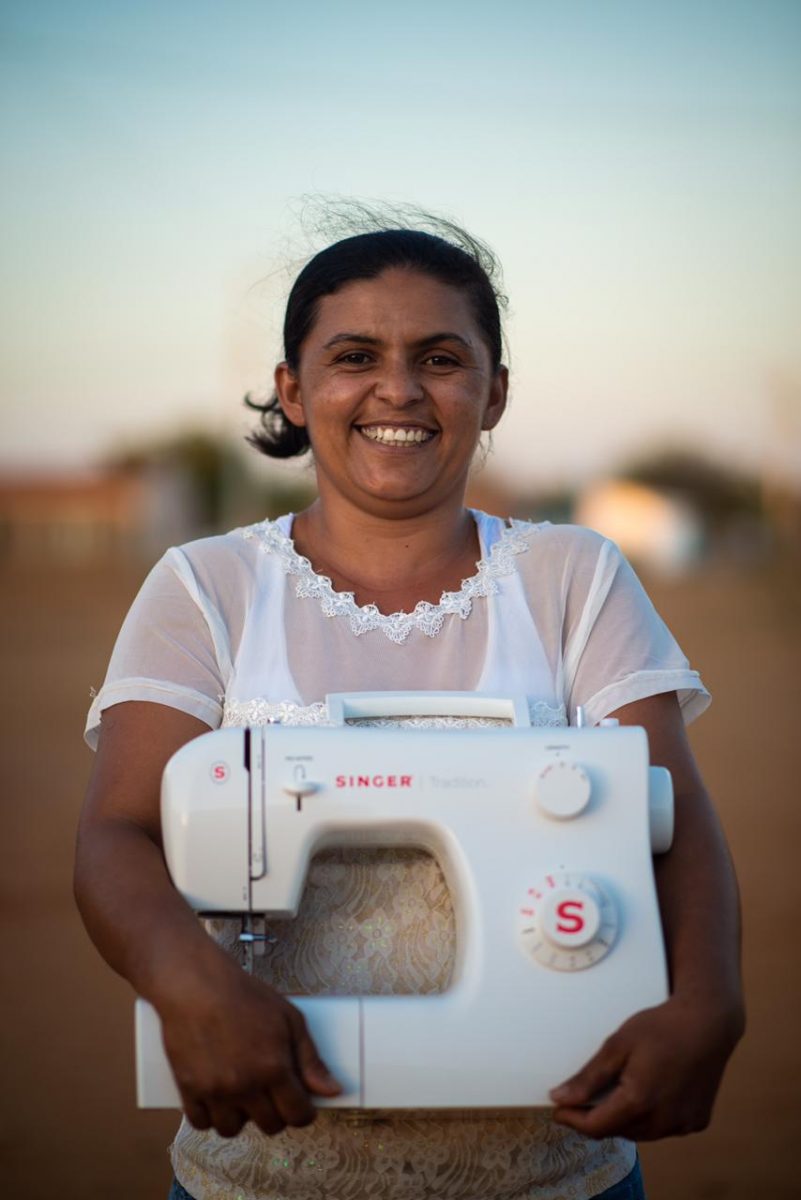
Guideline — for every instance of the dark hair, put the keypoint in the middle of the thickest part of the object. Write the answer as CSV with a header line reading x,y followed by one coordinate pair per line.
x,y
468,266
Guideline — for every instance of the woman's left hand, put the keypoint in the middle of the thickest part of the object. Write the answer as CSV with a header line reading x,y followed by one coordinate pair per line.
x,y
656,1077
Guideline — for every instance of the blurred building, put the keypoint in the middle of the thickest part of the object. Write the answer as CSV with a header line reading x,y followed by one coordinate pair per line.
x,y
658,531
93,516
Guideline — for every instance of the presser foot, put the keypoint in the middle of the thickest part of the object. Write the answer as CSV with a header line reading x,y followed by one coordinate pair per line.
x,y
254,937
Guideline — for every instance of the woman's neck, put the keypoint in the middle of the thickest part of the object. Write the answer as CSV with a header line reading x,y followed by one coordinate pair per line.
x,y
393,564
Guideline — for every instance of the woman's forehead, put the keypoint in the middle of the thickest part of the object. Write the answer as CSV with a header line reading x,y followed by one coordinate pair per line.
x,y
398,300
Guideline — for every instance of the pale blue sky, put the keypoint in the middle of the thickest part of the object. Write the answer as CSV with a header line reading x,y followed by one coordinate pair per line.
x,y
636,166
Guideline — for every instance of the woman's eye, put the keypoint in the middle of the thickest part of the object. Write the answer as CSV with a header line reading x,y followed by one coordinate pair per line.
x,y
354,358
442,360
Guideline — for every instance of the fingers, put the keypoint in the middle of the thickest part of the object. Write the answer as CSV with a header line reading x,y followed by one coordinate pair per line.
x,y
595,1078
274,1090
641,1116
598,1100
197,1114
287,1105
311,1068
263,1067
620,1113
227,1119
287,1094
651,1079
229,1116
264,1114
294,1072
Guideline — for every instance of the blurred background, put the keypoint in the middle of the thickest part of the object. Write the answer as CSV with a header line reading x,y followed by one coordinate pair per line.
x,y
637,169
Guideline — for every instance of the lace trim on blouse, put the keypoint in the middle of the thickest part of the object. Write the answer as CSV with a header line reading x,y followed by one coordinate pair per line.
x,y
426,617
285,712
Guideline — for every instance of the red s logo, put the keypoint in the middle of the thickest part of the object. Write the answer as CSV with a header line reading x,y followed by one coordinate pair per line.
x,y
569,921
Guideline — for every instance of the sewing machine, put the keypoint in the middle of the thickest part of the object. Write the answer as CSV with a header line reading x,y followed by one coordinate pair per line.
x,y
544,835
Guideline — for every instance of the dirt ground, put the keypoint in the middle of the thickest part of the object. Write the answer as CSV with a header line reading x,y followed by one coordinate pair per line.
x,y
70,1128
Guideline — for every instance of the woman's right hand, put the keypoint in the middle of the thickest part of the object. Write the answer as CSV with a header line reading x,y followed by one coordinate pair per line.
x,y
241,1052
238,1050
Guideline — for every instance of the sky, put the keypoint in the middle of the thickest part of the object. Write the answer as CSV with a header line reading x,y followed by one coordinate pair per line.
x,y
636,167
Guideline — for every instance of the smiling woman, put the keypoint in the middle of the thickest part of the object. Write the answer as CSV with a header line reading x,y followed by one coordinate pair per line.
x,y
394,413
452,256
392,371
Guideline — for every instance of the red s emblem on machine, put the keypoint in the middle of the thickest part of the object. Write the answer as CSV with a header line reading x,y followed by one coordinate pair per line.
x,y
570,921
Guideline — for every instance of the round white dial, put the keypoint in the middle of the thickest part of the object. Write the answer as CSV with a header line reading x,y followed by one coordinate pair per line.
x,y
567,921
563,789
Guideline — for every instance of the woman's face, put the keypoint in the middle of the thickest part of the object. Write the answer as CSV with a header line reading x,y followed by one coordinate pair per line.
x,y
394,386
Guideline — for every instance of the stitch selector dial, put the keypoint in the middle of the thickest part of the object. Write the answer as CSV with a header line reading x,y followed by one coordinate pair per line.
x,y
567,922
563,789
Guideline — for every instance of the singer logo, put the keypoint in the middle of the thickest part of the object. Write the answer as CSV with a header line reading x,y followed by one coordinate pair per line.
x,y
570,916
374,781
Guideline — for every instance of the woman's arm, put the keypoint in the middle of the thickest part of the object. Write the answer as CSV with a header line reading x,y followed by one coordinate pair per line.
x,y
239,1051
660,1072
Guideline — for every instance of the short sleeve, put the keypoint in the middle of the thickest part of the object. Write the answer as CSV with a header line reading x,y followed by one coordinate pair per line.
x,y
172,649
618,649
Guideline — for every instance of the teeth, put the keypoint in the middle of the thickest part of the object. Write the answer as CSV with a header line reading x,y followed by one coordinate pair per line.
x,y
392,436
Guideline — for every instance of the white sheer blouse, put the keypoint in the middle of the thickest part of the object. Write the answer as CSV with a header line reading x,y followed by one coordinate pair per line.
x,y
195,637
237,630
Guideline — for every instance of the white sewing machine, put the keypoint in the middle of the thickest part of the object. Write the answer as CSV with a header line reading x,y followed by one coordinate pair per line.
x,y
544,835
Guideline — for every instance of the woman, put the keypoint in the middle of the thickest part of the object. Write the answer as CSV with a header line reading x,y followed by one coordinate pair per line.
x,y
392,373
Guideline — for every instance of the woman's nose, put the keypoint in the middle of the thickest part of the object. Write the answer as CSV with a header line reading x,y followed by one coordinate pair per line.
x,y
398,384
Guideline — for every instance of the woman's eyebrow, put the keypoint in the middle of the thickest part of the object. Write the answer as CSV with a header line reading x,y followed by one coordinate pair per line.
x,y
429,340
444,335
351,337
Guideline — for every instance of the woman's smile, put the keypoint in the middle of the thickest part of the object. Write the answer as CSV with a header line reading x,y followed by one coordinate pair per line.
x,y
397,436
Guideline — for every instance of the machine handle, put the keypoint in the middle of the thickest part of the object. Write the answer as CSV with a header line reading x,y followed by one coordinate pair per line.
x,y
344,706
660,809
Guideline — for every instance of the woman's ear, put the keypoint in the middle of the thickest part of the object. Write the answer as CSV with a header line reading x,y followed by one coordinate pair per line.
x,y
287,388
497,399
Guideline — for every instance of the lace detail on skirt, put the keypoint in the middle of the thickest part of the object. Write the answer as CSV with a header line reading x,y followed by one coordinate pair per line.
x,y
410,1157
